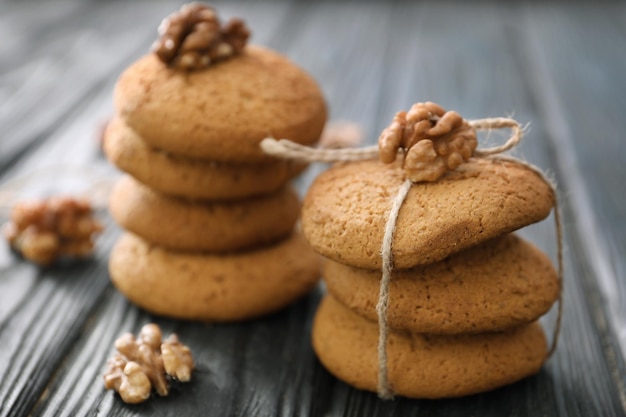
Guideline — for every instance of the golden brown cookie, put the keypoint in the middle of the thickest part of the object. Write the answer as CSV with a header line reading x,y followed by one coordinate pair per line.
x,y
345,210
502,283
190,177
213,287
224,111
424,366
220,226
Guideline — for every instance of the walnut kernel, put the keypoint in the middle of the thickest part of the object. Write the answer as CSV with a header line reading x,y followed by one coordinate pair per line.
x,y
144,363
148,358
127,378
434,141
193,37
177,359
44,230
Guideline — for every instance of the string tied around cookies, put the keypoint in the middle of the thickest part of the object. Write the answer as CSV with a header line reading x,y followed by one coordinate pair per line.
x,y
431,141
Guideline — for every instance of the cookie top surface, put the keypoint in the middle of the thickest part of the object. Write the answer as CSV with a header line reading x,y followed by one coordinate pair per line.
x,y
203,226
205,287
224,111
191,177
346,208
424,366
502,283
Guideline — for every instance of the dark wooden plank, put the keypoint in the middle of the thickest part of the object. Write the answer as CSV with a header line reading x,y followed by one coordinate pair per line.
x,y
246,383
74,58
34,339
585,126
23,41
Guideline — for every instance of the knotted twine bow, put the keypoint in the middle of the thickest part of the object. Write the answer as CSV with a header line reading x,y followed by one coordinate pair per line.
x,y
287,149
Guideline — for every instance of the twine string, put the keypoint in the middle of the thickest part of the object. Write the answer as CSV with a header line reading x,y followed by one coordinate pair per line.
x,y
498,123
559,242
384,390
289,150
284,148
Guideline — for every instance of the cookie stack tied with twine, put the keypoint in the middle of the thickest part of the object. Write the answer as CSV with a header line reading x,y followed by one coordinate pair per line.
x,y
430,294
210,218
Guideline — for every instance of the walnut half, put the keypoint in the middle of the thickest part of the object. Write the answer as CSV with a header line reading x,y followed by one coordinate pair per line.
x,y
145,363
45,230
434,141
128,379
177,359
194,38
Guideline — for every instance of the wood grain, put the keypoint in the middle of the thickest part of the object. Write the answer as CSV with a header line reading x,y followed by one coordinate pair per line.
x,y
556,66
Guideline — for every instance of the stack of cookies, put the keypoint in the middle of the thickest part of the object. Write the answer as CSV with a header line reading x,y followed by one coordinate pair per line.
x,y
209,218
465,292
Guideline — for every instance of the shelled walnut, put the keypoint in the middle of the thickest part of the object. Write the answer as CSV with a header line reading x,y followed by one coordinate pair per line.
x,y
194,38
45,230
177,359
145,363
434,141
128,379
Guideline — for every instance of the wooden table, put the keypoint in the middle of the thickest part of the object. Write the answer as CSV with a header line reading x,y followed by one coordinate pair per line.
x,y
559,67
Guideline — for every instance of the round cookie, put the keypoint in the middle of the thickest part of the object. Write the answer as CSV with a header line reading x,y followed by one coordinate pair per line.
x,y
424,366
502,283
220,226
345,210
222,112
191,177
213,287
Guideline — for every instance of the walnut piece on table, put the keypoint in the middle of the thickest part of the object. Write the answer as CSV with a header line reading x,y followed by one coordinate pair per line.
x,y
145,363
177,359
128,379
45,230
